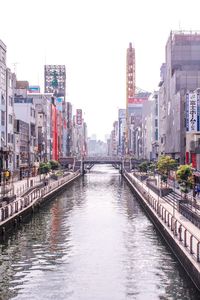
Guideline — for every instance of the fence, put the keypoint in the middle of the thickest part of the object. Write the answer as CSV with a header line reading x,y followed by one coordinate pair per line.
x,y
180,233
22,203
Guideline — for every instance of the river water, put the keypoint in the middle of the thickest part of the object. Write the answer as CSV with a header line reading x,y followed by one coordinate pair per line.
x,y
93,242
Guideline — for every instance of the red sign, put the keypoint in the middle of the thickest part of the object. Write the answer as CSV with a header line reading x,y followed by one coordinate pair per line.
x,y
194,160
135,100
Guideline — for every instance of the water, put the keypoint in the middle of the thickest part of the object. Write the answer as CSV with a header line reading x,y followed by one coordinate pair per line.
x,y
92,242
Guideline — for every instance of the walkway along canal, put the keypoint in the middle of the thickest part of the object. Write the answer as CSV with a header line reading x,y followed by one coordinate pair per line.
x,y
93,241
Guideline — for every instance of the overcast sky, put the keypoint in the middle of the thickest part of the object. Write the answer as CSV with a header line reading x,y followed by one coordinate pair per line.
x,y
90,37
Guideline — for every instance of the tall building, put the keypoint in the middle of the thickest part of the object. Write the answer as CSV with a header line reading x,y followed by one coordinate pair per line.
x,y
3,94
130,87
55,80
182,75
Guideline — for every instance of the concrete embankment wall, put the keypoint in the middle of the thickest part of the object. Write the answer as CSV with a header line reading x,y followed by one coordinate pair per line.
x,y
16,212
184,245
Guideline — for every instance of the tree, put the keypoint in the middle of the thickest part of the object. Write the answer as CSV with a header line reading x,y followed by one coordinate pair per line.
x,y
54,164
143,167
185,178
44,168
164,165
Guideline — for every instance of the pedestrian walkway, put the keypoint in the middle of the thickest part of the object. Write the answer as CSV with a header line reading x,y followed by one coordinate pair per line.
x,y
19,187
180,228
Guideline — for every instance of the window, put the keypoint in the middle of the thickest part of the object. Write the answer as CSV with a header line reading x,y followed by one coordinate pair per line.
x,y
2,118
10,101
8,137
156,122
2,99
10,119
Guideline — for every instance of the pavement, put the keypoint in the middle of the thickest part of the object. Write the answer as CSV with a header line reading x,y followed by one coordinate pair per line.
x,y
19,187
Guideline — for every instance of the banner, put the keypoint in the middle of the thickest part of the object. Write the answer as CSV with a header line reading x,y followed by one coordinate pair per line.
x,y
193,111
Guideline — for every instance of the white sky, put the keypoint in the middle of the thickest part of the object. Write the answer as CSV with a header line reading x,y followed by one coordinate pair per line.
x,y
90,37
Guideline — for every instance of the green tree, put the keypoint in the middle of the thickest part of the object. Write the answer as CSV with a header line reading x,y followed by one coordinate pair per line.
x,y
54,164
44,168
143,167
185,178
164,165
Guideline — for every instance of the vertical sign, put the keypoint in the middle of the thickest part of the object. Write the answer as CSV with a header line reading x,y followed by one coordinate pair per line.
x,y
198,112
193,111
79,116
187,112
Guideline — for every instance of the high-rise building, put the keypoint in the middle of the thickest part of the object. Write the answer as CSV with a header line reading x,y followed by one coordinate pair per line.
x,y
55,80
181,75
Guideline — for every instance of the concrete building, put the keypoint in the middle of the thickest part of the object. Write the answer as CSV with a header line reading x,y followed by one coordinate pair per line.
x,y
3,93
182,74
150,128
9,133
42,103
24,110
122,131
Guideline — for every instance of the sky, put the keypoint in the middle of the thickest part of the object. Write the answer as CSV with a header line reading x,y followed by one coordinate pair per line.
x,y
90,37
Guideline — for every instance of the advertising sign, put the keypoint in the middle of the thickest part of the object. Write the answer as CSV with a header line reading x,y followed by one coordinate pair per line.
x,y
135,100
59,102
34,89
79,116
192,111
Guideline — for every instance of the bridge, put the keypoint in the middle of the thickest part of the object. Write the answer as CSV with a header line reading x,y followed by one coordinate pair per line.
x,y
103,160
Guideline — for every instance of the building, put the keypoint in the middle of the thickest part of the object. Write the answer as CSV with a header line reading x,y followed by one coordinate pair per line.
x,y
24,110
149,138
42,103
55,80
9,133
182,75
3,148
121,131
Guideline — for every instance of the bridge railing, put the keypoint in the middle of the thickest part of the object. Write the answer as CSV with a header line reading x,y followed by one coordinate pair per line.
x,y
100,158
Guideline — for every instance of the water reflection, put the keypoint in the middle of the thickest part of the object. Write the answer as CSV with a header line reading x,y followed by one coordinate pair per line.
x,y
92,242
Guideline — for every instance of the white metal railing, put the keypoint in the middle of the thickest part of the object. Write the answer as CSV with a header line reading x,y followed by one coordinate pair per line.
x,y
180,233
22,203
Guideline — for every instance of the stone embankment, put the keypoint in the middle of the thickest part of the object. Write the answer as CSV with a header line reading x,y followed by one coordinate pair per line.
x,y
13,213
181,235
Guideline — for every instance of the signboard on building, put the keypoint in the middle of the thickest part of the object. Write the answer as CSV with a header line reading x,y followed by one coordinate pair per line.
x,y
192,112
79,116
34,89
136,100
59,102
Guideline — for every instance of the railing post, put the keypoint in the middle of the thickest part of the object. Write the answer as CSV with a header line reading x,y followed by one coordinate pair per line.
x,y
191,244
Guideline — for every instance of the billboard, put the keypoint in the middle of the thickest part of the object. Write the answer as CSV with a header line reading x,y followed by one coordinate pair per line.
x,y
192,112
136,100
79,116
59,102
34,89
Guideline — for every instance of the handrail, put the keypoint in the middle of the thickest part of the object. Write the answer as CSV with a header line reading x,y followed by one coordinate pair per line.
x,y
22,203
180,232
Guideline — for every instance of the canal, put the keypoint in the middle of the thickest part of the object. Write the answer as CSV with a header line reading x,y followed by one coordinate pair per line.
x,y
93,242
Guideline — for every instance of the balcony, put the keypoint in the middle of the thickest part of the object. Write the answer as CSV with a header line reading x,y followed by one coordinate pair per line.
x,y
195,147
